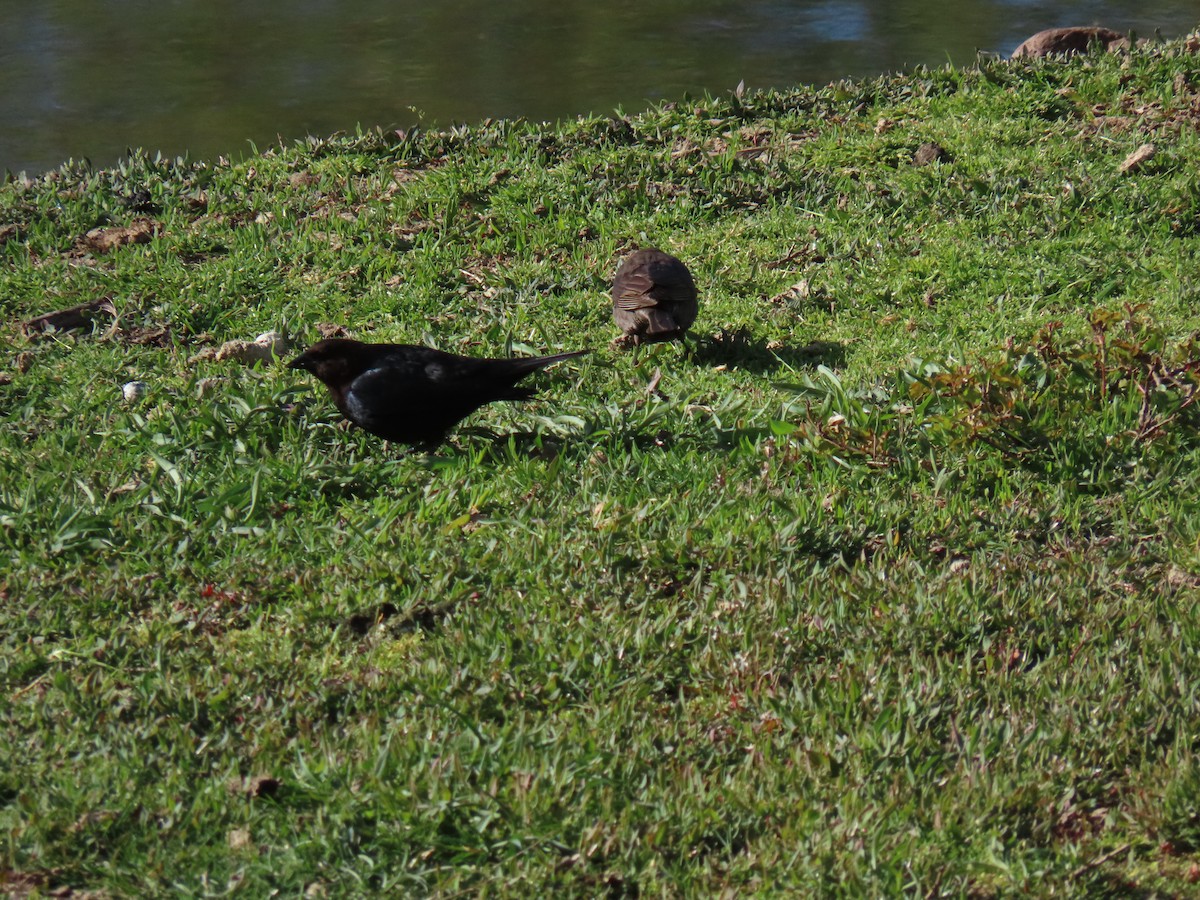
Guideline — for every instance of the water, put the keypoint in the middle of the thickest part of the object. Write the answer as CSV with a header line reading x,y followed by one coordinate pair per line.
x,y
90,79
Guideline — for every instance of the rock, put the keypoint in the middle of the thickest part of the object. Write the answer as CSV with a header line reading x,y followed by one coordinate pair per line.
x,y
134,390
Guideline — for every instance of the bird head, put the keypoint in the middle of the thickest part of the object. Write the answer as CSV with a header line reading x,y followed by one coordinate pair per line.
x,y
334,361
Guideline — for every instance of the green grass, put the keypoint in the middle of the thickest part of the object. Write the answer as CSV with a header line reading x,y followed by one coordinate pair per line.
x,y
889,588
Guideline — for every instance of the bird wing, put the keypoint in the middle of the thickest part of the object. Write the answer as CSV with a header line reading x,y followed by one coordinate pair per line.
x,y
372,399
635,291
414,389
426,389
671,280
657,282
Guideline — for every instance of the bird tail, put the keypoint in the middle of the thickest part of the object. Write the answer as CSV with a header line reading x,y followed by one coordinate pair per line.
x,y
659,322
522,366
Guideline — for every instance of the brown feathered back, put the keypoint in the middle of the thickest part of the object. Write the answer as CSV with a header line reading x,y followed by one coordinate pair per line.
x,y
654,297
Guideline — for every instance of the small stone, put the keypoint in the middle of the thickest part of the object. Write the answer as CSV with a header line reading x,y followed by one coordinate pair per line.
x,y
134,391
274,341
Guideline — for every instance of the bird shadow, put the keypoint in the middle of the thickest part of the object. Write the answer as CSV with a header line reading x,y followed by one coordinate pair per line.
x,y
497,446
739,349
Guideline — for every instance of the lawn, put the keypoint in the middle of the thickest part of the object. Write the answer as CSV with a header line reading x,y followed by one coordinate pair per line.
x,y
885,583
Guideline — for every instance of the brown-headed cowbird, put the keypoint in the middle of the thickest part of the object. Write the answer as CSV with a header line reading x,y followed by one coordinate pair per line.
x,y
654,297
414,394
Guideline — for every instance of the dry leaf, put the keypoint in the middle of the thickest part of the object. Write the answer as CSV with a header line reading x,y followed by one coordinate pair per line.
x,y
80,316
1138,157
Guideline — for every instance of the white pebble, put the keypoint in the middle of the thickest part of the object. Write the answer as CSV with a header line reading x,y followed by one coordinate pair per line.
x,y
134,391
275,341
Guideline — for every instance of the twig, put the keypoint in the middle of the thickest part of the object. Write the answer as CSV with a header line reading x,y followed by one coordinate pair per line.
x,y
1099,861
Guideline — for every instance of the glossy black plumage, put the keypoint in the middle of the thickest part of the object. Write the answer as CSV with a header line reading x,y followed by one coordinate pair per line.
x,y
412,394
654,297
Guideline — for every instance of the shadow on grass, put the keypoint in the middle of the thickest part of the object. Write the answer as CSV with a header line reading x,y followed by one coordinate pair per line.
x,y
499,445
498,448
741,350
424,615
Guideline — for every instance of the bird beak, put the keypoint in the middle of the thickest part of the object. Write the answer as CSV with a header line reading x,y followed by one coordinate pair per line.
x,y
300,362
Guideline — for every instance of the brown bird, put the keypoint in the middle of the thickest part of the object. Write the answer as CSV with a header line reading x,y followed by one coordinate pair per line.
x,y
411,394
654,297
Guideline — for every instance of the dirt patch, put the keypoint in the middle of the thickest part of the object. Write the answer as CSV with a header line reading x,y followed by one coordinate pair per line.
x,y
105,240
265,348
361,623
929,153
328,330
145,335
255,785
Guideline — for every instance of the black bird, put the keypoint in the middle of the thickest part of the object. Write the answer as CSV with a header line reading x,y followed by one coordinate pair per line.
x,y
414,394
654,297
